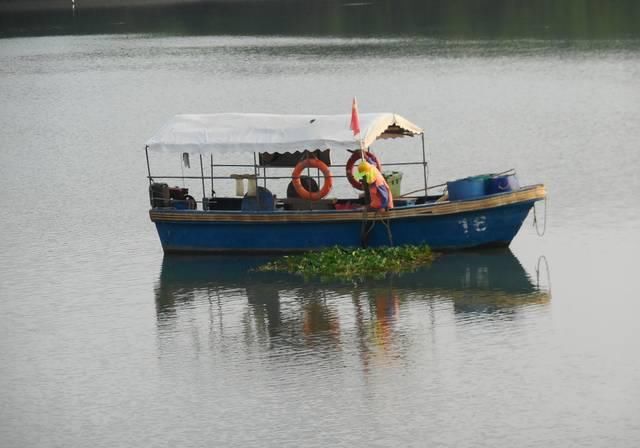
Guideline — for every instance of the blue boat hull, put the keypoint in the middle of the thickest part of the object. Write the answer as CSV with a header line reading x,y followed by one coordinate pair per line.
x,y
456,225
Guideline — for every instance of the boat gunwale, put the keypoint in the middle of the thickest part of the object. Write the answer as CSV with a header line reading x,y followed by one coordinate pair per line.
x,y
525,194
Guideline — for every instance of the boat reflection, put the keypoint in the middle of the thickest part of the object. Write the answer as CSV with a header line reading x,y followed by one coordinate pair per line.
x,y
276,310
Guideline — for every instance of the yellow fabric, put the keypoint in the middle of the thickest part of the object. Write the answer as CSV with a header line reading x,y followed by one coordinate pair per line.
x,y
366,171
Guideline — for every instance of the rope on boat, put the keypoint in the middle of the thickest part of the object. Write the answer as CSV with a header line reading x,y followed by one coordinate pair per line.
x,y
387,225
510,171
535,219
367,228
542,258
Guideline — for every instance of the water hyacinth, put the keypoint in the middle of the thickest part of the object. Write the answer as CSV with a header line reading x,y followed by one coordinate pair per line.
x,y
348,264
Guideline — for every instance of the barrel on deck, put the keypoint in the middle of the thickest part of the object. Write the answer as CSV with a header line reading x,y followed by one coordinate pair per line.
x,y
467,188
502,184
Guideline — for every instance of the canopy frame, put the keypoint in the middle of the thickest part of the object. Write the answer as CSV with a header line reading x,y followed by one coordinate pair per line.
x,y
199,134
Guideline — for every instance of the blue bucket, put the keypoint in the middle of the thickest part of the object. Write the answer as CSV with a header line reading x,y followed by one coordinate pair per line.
x,y
502,184
468,188
179,204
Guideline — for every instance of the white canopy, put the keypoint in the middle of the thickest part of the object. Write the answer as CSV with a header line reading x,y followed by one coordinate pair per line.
x,y
233,132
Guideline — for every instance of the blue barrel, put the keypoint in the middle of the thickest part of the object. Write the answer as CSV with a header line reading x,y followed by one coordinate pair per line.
x,y
502,184
468,188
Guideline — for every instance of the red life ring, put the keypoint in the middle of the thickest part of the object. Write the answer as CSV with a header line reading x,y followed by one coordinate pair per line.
x,y
352,160
297,183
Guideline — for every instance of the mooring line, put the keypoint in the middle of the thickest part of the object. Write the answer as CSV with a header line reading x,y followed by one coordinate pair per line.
x,y
535,219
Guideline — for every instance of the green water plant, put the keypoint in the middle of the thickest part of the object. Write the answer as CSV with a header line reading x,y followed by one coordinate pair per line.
x,y
350,264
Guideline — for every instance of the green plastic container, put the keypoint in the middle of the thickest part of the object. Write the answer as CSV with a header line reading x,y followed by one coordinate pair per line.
x,y
394,179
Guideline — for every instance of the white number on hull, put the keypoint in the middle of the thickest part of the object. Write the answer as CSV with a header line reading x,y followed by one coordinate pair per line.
x,y
479,224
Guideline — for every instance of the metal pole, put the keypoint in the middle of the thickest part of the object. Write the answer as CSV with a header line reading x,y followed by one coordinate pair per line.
x,y
424,165
204,192
146,152
255,166
256,173
309,202
212,190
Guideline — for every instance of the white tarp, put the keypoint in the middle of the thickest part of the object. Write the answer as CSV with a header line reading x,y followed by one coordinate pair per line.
x,y
220,133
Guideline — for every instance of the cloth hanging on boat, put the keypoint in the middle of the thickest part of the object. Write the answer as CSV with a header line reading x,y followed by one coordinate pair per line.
x,y
379,190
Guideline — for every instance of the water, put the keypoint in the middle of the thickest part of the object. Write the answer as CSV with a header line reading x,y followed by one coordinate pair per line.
x,y
105,342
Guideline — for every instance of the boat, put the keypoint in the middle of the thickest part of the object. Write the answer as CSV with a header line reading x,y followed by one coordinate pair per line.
x,y
473,212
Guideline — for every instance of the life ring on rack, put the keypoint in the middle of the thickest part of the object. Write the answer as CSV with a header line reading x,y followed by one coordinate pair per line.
x,y
297,182
351,162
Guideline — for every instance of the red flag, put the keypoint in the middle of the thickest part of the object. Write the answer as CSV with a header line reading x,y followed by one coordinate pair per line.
x,y
355,119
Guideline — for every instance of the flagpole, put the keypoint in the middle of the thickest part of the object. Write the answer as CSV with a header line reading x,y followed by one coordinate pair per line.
x,y
355,126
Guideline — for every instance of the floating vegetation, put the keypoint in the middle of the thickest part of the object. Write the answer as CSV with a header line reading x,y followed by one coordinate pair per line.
x,y
349,264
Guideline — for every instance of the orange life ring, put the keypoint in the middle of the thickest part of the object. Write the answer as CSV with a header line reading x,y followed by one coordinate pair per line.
x,y
297,183
352,160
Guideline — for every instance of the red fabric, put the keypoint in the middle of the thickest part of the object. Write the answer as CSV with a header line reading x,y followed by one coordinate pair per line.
x,y
380,193
355,119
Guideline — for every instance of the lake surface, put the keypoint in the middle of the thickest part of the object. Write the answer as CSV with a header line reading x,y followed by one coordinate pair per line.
x,y
105,342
